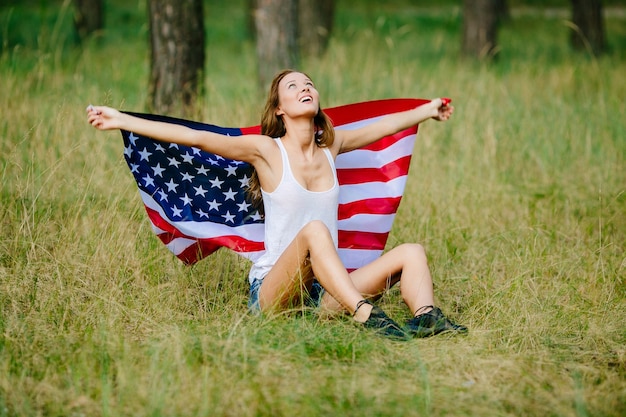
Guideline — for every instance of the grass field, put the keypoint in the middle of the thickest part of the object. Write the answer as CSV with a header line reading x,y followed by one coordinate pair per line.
x,y
520,201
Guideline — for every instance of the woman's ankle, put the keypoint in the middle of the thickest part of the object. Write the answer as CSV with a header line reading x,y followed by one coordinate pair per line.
x,y
423,310
362,311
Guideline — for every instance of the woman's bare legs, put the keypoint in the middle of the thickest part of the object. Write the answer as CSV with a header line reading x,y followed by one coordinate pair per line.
x,y
406,263
312,254
292,273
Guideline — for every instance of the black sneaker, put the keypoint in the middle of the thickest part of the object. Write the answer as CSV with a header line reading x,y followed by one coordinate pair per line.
x,y
382,324
432,323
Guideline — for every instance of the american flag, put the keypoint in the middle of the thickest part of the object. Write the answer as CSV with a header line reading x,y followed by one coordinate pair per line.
x,y
196,200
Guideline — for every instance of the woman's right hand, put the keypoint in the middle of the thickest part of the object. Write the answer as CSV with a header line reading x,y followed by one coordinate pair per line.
x,y
103,118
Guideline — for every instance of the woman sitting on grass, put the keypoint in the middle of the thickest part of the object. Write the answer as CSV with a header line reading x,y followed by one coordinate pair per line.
x,y
295,177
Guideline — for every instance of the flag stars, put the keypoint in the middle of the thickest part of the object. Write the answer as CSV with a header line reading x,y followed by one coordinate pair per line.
x,y
158,171
187,157
190,184
173,162
171,185
148,181
176,212
202,213
132,138
230,194
186,200
200,191
228,217
203,170
188,177
162,195
144,154
243,206
232,170
214,205
245,181
216,183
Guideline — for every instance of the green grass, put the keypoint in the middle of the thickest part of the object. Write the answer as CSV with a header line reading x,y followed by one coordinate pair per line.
x,y
520,201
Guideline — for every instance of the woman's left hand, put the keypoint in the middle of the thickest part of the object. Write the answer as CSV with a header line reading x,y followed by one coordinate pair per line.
x,y
444,108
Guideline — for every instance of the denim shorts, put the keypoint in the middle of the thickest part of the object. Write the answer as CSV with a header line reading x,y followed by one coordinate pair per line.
x,y
311,299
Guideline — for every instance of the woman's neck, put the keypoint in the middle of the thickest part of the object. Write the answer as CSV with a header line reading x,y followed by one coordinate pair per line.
x,y
301,133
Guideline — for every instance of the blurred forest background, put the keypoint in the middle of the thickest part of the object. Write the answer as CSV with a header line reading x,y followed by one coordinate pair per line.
x,y
284,32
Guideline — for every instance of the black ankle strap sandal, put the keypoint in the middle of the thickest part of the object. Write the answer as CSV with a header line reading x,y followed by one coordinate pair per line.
x,y
423,308
381,323
431,323
359,304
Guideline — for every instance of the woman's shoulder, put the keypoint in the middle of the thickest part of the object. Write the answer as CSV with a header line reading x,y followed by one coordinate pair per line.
x,y
265,145
257,139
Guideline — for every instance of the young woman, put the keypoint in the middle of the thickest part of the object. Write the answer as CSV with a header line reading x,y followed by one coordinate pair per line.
x,y
295,178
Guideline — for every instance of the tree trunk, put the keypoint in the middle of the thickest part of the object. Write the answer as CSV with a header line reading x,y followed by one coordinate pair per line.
x,y
503,13
588,26
177,55
88,17
480,27
315,23
276,37
250,25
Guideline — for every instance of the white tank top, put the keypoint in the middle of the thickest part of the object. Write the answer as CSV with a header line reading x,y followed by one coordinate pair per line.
x,y
289,208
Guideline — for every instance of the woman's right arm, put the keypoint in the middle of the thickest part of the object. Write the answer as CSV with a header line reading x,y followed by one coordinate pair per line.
x,y
246,148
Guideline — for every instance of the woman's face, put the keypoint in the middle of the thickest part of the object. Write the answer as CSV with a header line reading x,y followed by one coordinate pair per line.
x,y
297,96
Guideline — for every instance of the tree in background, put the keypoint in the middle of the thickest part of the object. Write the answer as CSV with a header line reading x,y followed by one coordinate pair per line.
x,y
480,27
588,26
276,28
315,23
88,17
503,13
285,30
177,55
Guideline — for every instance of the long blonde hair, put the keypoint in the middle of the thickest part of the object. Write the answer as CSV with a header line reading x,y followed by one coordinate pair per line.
x,y
273,126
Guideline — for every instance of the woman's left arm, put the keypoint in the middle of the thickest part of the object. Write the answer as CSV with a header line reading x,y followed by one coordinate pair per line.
x,y
347,140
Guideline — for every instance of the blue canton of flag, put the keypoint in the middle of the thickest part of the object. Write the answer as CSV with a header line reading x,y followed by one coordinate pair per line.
x,y
181,184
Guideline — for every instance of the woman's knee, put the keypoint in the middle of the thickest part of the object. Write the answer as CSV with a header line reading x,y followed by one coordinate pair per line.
x,y
413,252
315,231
